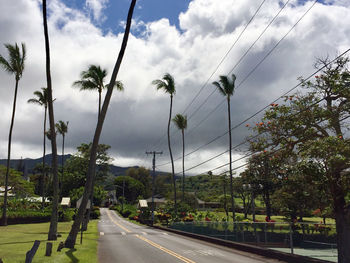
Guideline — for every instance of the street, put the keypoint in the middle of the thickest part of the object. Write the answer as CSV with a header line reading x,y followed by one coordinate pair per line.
x,y
122,242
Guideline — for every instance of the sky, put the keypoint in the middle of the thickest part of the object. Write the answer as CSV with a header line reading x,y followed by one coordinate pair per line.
x,y
195,41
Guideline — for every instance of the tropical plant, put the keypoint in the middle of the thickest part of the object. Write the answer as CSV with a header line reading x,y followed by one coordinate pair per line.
x,y
52,235
167,84
181,123
13,65
70,241
93,79
62,128
42,100
226,87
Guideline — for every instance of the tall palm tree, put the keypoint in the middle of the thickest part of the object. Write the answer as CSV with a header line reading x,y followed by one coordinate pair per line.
x,y
181,123
167,84
72,236
42,100
93,79
13,65
226,87
62,128
52,235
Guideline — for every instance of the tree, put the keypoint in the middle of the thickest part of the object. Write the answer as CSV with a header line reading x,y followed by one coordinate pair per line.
x,y
226,87
62,128
42,100
311,125
132,188
13,65
18,186
52,235
143,175
167,84
181,123
70,241
93,79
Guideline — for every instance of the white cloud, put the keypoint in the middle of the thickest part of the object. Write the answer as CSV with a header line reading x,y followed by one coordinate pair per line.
x,y
138,116
97,7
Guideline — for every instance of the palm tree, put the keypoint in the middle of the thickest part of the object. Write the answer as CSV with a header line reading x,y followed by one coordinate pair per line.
x,y
167,84
42,100
62,128
181,123
93,79
226,87
52,235
13,65
72,236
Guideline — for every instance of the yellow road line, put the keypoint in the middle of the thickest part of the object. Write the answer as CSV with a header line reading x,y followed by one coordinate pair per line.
x,y
184,259
115,222
168,251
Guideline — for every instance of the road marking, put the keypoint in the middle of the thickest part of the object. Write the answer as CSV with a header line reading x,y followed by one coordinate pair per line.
x,y
102,234
170,252
144,233
165,234
123,233
115,222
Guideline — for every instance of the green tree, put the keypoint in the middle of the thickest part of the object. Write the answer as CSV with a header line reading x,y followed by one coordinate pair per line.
x,y
143,175
93,79
13,65
17,185
312,126
132,188
62,128
226,87
167,84
70,241
42,100
181,123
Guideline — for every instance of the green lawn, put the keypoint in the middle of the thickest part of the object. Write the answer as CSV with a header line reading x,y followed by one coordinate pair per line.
x,y
16,240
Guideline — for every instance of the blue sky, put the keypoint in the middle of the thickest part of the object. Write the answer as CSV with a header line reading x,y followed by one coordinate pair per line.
x,y
146,10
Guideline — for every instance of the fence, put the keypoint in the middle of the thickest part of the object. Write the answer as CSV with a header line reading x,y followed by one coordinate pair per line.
x,y
309,239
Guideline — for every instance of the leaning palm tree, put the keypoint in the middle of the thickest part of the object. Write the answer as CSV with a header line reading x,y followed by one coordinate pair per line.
x,y
226,87
181,123
167,84
93,79
52,235
70,241
62,128
13,65
42,100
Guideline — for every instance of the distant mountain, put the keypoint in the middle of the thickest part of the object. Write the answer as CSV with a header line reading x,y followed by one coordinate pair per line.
x,y
27,165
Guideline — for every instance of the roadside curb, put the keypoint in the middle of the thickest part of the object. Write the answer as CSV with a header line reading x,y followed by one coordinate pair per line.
x,y
247,248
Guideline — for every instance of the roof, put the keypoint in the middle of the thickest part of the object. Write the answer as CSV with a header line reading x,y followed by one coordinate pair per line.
x,y
142,203
156,200
65,201
36,199
2,191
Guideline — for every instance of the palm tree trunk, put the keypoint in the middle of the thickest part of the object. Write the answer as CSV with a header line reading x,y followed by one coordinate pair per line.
x,y
70,241
52,235
62,161
183,165
3,221
171,154
99,103
44,170
230,139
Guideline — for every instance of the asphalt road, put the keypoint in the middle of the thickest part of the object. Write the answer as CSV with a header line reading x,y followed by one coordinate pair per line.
x,y
123,242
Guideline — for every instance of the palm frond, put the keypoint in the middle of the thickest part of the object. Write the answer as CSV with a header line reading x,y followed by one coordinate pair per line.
x,y
180,121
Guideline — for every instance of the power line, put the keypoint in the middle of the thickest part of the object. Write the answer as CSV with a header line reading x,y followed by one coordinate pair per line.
x,y
264,108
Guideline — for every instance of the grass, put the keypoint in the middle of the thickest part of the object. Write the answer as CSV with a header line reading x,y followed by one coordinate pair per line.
x,y
16,240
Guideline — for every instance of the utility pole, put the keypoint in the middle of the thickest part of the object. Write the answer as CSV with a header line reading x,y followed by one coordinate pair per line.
x,y
153,178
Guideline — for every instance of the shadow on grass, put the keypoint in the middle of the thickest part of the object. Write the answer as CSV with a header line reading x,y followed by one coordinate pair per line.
x,y
69,253
24,242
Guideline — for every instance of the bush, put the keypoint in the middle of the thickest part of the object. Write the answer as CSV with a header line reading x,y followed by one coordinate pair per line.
x,y
27,217
66,215
95,213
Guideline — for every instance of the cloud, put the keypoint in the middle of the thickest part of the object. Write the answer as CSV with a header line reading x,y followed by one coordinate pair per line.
x,y
97,6
137,118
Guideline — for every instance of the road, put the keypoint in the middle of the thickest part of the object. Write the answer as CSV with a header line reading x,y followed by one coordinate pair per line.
x,y
123,242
